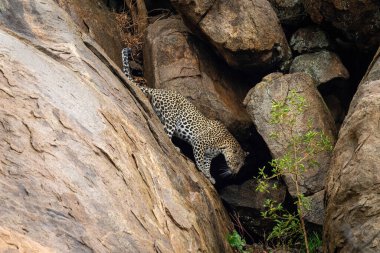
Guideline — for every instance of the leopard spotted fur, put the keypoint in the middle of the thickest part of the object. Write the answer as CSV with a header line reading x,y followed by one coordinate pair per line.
x,y
181,118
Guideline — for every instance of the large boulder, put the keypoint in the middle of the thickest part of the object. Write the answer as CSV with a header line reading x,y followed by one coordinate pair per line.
x,y
247,204
246,196
277,87
358,19
246,33
85,165
174,59
352,189
322,66
309,39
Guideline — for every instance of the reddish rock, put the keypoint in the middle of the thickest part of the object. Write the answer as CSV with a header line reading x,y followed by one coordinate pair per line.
x,y
98,22
174,59
85,165
247,34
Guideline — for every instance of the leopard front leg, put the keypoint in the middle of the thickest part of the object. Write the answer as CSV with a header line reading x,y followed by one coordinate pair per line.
x,y
203,162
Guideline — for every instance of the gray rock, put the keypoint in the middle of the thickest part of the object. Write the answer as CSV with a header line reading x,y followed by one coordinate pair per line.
x,y
247,34
352,190
309,39
248,204
316,214
246,196
174,59
357,19
289,12
322,66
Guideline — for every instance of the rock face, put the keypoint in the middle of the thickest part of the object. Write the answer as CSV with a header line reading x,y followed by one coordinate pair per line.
x,y
259,105
246,33
11,241
98,22
174,59
85,164
316,214
289,12
309,39
248,204
352,192
358,19
246,196
322,66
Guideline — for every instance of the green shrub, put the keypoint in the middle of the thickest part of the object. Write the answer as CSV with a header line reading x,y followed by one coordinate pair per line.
x,y
300,156
236,242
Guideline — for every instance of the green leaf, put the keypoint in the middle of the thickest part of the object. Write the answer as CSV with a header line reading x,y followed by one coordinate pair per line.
x,y
235,240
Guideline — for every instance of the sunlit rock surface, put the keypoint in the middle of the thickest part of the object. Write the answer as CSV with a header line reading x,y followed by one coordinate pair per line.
x,y
85,165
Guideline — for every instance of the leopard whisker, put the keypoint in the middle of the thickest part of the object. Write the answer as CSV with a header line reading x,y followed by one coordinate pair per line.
x,y
226,173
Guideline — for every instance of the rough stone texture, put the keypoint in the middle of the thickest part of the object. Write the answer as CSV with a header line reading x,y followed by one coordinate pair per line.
x,y
336,109
246,196
85,165
309,39
246,33
259,103
174,59
289,12
323,66
316,214
358,19
248,204
97,21
11,241
352,191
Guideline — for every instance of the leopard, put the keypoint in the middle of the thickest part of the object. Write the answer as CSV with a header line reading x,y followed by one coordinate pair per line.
x,y
180,118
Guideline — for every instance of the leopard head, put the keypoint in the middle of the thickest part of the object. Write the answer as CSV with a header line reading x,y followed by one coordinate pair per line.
x,y
234,155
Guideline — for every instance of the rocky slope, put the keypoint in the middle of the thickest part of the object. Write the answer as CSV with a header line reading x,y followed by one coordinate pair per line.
x,y
85,165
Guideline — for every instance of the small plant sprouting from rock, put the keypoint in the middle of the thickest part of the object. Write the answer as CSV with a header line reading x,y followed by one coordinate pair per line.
x,y
315,242
236,242
300,156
